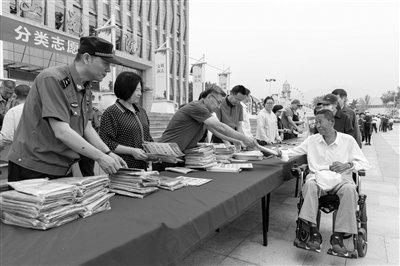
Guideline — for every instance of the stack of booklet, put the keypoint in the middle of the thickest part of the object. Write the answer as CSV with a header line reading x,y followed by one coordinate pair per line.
x,y
92,193
169,183
223,152
39,204
200,157
255,155
163,152
134,183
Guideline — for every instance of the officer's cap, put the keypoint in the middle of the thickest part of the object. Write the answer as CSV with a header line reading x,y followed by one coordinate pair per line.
x,y
98,47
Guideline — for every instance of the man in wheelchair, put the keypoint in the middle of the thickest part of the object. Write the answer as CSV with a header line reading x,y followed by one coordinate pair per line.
x,y
332,158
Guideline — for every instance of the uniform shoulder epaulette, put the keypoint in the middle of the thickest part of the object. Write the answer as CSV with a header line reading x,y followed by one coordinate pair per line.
x,y
65,82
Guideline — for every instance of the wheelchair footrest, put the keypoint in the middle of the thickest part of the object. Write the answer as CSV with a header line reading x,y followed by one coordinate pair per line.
x,y
301,244
353,254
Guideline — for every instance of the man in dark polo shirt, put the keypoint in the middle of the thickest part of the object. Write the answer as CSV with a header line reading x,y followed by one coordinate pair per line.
x,y
190,122
343,123
230,112
341,94
54,126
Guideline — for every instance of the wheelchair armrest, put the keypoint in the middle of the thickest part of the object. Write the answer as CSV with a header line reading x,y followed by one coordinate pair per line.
x,y
361,173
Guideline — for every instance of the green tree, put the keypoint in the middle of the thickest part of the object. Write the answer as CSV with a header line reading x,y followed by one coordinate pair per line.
x,y
391,96
353,104
364,103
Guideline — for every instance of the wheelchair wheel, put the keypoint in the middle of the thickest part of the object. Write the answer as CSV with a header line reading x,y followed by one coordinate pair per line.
x,y
361,242
363,215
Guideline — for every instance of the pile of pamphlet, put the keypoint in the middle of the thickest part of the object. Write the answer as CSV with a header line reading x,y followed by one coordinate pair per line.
x,y
200,157
168,183
254,155
92,193
43,203
163,152
230,168
134,183
223,152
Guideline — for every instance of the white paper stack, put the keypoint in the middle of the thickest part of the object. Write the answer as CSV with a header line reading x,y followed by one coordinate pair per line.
x,y
200,157
255,155
92,193
39,204
165,182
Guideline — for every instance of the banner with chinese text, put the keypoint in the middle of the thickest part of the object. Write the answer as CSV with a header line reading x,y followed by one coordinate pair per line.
x,y
161,74
198,79
15,31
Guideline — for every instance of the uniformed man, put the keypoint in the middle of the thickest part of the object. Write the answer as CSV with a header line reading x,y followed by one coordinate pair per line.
x,y
6,92
54,128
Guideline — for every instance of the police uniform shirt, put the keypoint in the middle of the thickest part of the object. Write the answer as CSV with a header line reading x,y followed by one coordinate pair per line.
x,y
56,93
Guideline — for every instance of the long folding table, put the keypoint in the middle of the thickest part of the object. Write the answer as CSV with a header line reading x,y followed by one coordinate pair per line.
x,y
157,230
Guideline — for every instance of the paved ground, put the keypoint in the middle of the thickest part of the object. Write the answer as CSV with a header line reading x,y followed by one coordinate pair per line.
x,y
239,243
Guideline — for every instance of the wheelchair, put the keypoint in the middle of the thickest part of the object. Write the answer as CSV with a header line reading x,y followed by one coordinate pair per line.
x,y
330,203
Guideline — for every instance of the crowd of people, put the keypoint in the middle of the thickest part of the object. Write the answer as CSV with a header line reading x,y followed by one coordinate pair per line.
x,y
53,125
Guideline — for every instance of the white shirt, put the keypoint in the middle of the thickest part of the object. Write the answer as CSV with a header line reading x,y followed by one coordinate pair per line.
x,y
10,124
320,156
246,128
267,126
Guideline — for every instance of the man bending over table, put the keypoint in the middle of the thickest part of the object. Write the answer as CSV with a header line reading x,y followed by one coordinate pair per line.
x,y
332,157
190,122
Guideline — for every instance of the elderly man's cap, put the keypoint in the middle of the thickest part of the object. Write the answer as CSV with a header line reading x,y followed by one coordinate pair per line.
x,y
295,101
98,47
330,99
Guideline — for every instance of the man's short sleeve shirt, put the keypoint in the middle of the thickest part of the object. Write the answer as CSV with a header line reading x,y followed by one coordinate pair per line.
x,y
230,114
187,125
56,93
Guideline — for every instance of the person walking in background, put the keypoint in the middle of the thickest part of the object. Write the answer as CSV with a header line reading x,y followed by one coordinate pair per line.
x,y
341,94
361,121
125,125
267,124
375,123
368,128
390,122
277,110
13,116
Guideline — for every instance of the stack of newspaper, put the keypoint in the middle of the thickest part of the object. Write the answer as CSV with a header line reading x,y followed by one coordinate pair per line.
x,y
92,193
255,155
39,204
137,184
200,157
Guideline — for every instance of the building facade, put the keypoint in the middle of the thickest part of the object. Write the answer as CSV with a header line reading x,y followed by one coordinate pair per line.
x,y
37,34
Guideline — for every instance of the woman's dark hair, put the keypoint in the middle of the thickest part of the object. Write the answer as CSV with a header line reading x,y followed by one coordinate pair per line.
x,y
277,108
239,88
268,98
125,84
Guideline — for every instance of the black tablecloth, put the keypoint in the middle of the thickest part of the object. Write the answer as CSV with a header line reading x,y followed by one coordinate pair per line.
x,y
286,166
158,229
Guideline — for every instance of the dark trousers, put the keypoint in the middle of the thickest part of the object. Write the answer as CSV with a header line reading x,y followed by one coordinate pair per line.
x,y
86,165
374,128
18,173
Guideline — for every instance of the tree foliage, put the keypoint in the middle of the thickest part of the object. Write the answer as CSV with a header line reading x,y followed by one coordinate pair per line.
x,y
392,96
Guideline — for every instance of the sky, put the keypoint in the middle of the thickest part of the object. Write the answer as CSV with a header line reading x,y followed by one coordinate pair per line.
x,y
316,45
